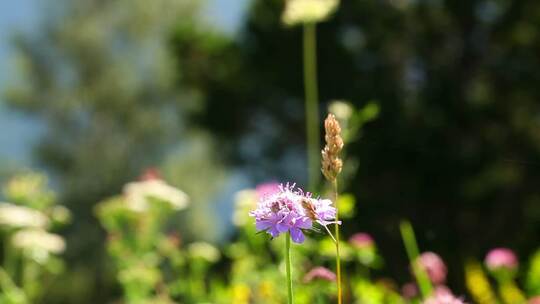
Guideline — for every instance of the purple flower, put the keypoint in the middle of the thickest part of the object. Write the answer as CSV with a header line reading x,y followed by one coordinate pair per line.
x,y
361,240
273,223
501,258
434,267
324,212
295,223
291,210
320,273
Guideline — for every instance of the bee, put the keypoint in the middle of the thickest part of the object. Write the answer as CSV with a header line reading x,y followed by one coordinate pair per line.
x,y
275,207
309,208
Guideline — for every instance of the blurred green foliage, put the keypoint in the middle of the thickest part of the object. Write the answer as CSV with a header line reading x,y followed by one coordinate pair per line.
x,y
445,132
30,261
455,146
102,77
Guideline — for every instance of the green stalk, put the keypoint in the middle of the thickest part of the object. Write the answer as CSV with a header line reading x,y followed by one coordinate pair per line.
x,y
510,293
10,258
288,266
338,257
409,240
10,290
6,283
29,280
311,104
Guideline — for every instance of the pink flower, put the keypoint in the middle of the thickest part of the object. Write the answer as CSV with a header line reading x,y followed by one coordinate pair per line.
x,y
442,289
320,273
409,290
150,173
434,266
534,300
443,298
361,240
501,258
266,189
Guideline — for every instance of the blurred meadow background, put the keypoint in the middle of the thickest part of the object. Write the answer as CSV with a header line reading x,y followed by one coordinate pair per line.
x,y
197,103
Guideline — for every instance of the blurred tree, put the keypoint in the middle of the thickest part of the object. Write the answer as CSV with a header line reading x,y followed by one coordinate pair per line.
x,y
456,146
101,76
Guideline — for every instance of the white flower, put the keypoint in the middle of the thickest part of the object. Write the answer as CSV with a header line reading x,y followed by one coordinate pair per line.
x,y
15,216
138,193
204,250
60,214
308,11
244,201
342,109
36,239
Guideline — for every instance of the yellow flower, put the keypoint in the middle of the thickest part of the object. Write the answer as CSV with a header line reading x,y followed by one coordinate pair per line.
x,y
308,11
241,294
266,290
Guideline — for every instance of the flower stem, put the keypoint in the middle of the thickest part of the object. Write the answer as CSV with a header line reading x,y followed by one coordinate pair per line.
x,y
9,287
10,258
338,258
510,293
407,234
288,266
312,103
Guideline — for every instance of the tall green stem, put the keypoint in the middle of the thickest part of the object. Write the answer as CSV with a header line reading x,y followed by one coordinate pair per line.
x,y
288,266
10,289
10,258
338,257
311,104
407,234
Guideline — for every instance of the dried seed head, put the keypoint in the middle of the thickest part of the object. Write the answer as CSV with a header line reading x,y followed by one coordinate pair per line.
x,y
331,126
331,163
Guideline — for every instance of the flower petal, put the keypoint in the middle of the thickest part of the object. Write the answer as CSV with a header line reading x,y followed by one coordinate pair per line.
x,y
304,223
297,235
274,232
263,225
